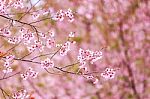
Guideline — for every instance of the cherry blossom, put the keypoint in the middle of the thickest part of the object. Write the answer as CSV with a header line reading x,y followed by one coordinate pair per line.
x,y
42,35
47,63
21,94
2,7
70,15
27,37
85,55
31,48
39,45
14,40
8,61
35,15
65,48
109,73
51,33
7,70
93,79
50,43
17,4
29,73
69,42
71,34
60,15
6,32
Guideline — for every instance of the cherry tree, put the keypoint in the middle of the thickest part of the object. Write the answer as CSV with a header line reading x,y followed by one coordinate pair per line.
x,y
74,49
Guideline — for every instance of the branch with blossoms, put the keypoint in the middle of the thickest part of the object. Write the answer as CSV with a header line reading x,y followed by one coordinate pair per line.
x,y
24,23
41,48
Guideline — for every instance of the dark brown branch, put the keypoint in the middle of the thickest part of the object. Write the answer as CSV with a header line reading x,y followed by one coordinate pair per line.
x,y
5,93
32,26
59,68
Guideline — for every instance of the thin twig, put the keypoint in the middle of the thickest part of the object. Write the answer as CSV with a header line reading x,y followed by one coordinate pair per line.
x,y
32,26
10,76
41,56
29,9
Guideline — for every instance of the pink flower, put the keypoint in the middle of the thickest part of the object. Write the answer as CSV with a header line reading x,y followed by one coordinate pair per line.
x,y
42,35
6,32
50,43
21,94
47,63
8,70
93,79
32,48
71,34
18,4
38,45
70,15
6,64
108,73
89,55
65,48
35,15
29,73
13,40
51,33
10,57
59,16
27,37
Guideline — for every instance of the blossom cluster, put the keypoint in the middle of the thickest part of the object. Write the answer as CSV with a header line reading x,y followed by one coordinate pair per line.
x,y
27,37
17,4
47,63
8,61
42,12
93,79
7,4
71,34
5,32
14,40
60,15
37,45
21,94
65,48
2,7
50,43
109,73
89,55
29,73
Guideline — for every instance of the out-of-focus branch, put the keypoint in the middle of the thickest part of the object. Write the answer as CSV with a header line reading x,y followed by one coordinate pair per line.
x,y
126,60
127,64
5,93
37,91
